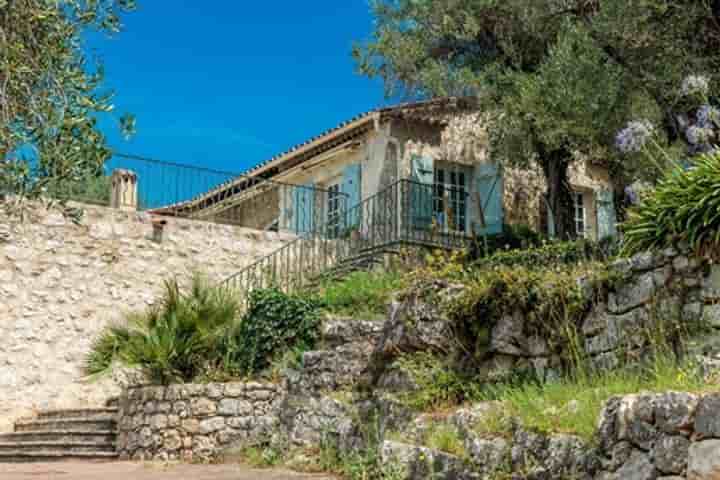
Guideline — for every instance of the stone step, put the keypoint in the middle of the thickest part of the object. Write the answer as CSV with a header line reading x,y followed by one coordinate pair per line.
x,y
100,414
54,456
71,436
69,448
78,424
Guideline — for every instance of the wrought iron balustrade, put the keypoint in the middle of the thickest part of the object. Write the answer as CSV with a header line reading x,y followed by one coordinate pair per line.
x,y
406,213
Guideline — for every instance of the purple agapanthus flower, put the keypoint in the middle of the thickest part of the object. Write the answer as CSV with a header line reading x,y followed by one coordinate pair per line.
x,y
634,136
695,84
698,135
708,117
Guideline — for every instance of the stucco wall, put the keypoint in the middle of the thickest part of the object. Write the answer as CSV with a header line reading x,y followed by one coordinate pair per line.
x,y
61,283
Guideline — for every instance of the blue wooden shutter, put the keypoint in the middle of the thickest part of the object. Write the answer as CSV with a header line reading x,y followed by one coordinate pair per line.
x,y
304,208
421,191
351,188
606,218
488,183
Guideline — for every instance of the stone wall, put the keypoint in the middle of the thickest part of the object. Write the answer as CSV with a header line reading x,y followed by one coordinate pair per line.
x,y
195,422
668,435
620,326
61,283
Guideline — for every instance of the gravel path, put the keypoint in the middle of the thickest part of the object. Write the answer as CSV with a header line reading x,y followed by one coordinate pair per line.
x,y
142,471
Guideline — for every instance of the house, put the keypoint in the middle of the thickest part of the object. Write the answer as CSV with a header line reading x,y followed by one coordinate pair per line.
x,y
419,167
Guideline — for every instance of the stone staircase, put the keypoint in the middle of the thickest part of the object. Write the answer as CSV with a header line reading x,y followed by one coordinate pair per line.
x,y
55,435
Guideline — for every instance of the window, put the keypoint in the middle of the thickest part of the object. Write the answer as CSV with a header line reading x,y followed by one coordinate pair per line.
x,y
334,210
580,216
450,198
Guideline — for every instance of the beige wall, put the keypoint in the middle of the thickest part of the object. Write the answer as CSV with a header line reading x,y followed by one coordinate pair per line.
x,y
62,283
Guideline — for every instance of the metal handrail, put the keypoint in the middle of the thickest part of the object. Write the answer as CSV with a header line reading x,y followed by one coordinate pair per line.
x,y
403,214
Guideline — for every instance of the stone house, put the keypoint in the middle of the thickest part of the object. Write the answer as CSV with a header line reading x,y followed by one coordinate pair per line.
x,y
433,152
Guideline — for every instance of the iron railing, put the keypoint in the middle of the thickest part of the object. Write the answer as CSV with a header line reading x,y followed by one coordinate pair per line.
x,y
406,213
173,189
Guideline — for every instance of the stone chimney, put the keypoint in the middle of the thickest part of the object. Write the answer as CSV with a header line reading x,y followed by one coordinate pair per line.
x,y
124,190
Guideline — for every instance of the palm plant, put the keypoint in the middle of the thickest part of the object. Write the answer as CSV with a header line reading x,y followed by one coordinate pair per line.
x,y
174,341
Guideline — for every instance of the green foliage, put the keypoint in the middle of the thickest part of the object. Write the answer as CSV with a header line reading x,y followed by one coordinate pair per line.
x,y
445,438
438,383
52,91
274,323
360,292
683,208
552,301
202,336
95,189
556,80
551,254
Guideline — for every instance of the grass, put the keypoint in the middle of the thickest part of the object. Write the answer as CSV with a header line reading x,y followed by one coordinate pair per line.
x,y
360,293
445,438
573,406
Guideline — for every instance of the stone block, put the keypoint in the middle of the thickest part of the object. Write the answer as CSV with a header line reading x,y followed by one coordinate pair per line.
x,y
211,425
670,454
707,418
675,412
704,460
633,294
711,285
203,407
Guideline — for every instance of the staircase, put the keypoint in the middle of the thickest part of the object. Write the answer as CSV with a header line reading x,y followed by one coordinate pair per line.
x,y
358,237
56,435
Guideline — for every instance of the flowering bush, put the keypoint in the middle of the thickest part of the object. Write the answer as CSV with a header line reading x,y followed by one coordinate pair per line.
x,y
635,136
695,85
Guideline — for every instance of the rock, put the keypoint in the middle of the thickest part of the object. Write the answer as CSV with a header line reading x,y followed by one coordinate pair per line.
x,y
635,420
670,454
707,418
415,324
419,463
704,460
637,467
211,425
489,455
712,315
569,456
633,294
508,337
711,285
675,412
203,407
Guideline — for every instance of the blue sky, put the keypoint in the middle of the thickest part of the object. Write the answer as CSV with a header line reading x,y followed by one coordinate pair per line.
x,y
227,84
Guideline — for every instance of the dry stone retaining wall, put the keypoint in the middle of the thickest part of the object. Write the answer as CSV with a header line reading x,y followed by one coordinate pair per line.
x,y
196,422
61,283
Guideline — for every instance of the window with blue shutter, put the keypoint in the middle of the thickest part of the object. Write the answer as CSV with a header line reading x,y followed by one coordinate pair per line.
x,y
488,182
304,208
421,192
606,217
351,188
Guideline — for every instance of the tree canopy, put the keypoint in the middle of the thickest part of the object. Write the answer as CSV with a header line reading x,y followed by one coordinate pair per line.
x,y
50,90
558,78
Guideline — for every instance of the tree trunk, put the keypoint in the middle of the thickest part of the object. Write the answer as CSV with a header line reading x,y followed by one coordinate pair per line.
x,y
555,166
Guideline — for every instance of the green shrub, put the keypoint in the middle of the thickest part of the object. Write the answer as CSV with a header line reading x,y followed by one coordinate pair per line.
x,y
551,254
683,208
174,341
274,324
445,438
360,292
202,336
